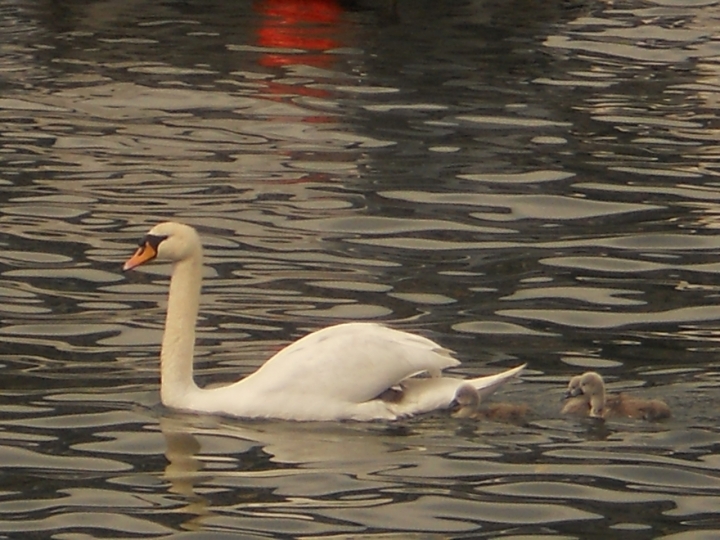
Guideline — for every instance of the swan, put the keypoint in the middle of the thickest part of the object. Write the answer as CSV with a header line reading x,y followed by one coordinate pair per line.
x,y
466,404
351,371
587,396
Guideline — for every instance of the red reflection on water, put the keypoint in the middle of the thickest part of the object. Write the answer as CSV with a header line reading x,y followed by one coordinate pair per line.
x,y
300,32
311,26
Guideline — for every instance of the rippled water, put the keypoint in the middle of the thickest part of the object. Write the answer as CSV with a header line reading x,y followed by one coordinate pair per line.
x,y
522,182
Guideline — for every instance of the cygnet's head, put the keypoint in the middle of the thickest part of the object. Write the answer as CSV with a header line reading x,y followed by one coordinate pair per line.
x,y
588,384
591,386
465,402
168,241
573,388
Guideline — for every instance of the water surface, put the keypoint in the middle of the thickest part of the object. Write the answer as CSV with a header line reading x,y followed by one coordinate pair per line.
x,y
521,183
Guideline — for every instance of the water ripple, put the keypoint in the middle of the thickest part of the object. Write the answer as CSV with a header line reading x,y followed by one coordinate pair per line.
x,y
522,185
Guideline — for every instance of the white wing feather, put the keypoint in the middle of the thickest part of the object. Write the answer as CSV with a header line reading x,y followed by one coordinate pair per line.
x,y
353,362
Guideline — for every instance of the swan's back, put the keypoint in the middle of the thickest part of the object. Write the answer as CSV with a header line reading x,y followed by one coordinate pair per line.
x,y
338,371
353,361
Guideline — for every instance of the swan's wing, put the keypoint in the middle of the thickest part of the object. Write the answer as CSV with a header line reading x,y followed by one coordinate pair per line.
x,y
488,384
425,395
429,394
352,362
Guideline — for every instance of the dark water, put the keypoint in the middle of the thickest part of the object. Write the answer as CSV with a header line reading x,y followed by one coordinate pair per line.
x,y
523,181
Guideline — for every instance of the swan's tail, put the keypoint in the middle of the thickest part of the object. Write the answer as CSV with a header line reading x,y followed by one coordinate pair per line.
x,y
488,384
421,395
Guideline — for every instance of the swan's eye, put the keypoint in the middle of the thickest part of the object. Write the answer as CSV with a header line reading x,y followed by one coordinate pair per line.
x,y
147,251
153,240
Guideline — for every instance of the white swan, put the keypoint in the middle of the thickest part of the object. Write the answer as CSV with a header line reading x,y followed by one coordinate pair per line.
x,y
353,371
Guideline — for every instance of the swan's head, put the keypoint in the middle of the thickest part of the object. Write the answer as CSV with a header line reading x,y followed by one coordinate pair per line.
x,y
465,402
167,241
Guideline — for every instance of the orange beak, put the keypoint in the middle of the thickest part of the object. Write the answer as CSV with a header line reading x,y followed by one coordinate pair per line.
x,y
146,252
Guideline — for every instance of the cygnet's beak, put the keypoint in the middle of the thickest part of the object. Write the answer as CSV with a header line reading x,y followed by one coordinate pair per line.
x,y
454,406
572,393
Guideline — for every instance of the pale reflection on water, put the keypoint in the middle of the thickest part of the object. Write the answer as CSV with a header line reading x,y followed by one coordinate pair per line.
x,y
520,182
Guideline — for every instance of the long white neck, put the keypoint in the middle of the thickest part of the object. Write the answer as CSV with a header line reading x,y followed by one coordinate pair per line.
x,y
176,357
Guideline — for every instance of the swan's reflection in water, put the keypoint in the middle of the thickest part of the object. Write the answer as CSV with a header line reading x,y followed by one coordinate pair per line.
x,y
284,471
433,474
183,472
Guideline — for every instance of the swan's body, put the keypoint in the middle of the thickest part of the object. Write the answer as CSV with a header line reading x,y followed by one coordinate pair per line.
x,y
352,371
466,404
586,396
